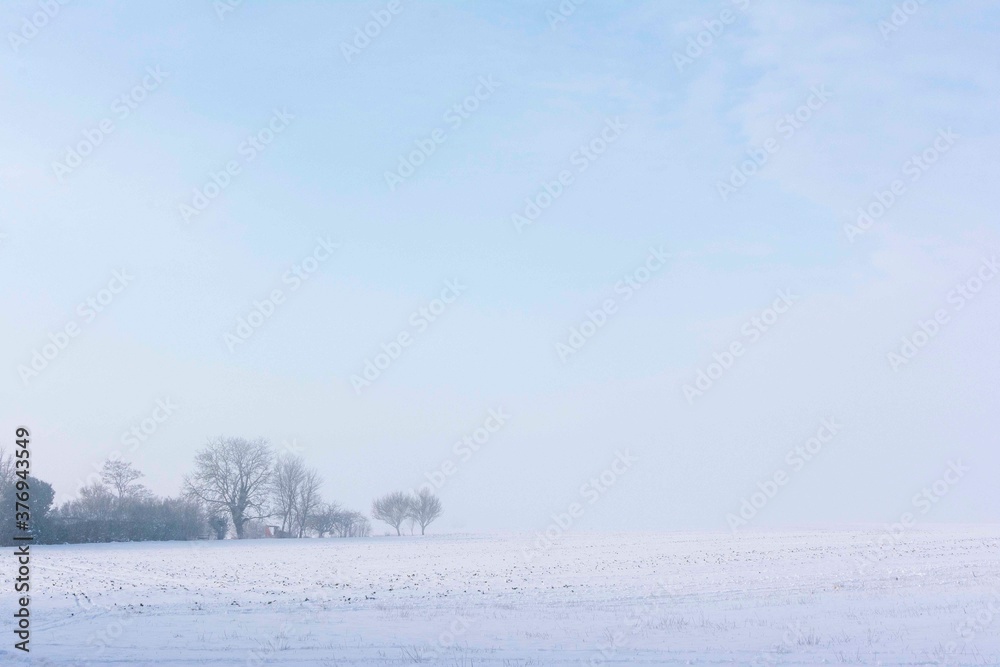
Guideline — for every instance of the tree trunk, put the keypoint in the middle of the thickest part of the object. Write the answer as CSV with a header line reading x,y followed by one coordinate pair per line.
x,y
397,531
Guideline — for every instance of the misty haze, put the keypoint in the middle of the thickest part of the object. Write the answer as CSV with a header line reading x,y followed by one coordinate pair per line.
x,y
499,333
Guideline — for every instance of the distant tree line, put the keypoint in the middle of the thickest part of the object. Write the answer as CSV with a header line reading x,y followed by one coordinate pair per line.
x,y
115,509
238,488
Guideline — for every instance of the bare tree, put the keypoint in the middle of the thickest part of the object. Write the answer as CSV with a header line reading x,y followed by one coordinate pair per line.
x,y
348,524
95,500
325,519
424,508
121,477
289,471
353,524
307,501
233,474
392,508
358,525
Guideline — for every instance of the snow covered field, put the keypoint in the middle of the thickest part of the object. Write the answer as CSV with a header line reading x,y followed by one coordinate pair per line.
x,y
808,598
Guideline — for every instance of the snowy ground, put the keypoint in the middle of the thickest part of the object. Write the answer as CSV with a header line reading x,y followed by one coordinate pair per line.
x,y
808,598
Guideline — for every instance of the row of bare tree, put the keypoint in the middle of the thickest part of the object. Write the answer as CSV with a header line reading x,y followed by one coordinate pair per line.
x,y
396,507
237,483
240,480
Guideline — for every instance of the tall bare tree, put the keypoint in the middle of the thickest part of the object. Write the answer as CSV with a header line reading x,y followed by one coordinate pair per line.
x,y
307,501
121,477
392,508
424,508
289,472
233,474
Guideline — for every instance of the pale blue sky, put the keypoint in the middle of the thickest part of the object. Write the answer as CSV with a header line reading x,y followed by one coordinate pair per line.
x,y
656,185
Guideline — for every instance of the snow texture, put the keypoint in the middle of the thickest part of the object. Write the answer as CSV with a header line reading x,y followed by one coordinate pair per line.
x,y
931,596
